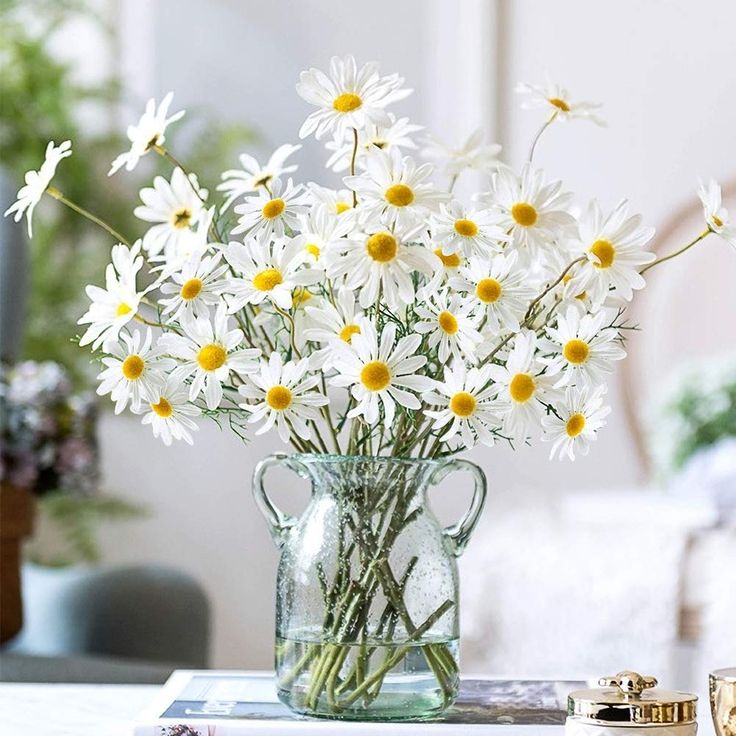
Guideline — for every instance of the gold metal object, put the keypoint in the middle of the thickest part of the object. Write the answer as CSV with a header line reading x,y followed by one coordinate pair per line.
x,y
630,698
722,691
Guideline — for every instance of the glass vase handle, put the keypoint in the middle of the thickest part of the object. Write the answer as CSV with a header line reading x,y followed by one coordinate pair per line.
x,y
458,534
279,522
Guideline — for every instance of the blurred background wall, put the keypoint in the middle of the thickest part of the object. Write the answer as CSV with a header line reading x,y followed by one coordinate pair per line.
x,y
665,70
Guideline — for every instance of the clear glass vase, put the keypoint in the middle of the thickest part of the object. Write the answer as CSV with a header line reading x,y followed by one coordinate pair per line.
x,y
367,589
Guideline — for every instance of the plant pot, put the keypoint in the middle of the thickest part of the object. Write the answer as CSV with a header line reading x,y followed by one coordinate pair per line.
x,y
367,593
17,507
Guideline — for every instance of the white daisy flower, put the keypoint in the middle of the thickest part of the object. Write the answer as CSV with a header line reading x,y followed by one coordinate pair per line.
x,y
195,288
521,388
170,412
285,396
269,213
209,351
451,323
614,246
578,418
457,229
117,304
501,291
36,182
148,133
586,350
466,401
375,137
252,176
533,212
267,272
134,371
330,322
320,232
472,154
348,98
382,263
176,208
336,202
556,100
396,189
716,216
380,372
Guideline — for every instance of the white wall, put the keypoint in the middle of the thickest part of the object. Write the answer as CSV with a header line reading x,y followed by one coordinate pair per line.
x,y
667,73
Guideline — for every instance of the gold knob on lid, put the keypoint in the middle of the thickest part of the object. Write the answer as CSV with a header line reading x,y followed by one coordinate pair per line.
x,y
629,683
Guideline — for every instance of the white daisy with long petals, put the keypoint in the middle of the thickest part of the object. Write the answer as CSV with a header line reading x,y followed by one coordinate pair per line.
x,y
134,370
271,212
466,400
473,154
716,215
252,176
576,422
396,190
285,396
148,133
36,183
195,288
451,323
521,388
382,262
175,208
558,102
320,232
348,98
117,304
534,212
584,350
170,413
207,352
380,374
264,272
614,248
457,229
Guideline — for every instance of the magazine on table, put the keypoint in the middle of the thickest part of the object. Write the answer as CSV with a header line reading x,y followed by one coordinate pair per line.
x,y
234,703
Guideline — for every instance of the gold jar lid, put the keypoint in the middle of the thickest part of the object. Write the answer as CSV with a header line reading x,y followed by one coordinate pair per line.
x,y
631,698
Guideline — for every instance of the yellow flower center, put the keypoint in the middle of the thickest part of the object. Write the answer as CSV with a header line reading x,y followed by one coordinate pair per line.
x,y
268,279
717,221
211,357
447,323
559,104
190,289
313,249
524,214
375,375
123,309
346,102
181,218
576,351
451,261
382,247
273,208
133,366
300,296
163,408
488,290
522,388
399,195
575,425
278,397
462,404
605,252
341,207
466,228
347,332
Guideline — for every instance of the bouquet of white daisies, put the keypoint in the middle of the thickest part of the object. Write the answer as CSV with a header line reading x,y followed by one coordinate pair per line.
x,y
388,316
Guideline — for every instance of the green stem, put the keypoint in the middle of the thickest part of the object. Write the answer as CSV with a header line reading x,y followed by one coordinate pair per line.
x,y
682,250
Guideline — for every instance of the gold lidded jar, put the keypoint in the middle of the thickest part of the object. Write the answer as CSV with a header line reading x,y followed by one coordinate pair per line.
x,y
630,703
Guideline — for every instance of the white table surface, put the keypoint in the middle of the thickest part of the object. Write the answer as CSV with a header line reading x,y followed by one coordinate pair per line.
x,y
109,710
